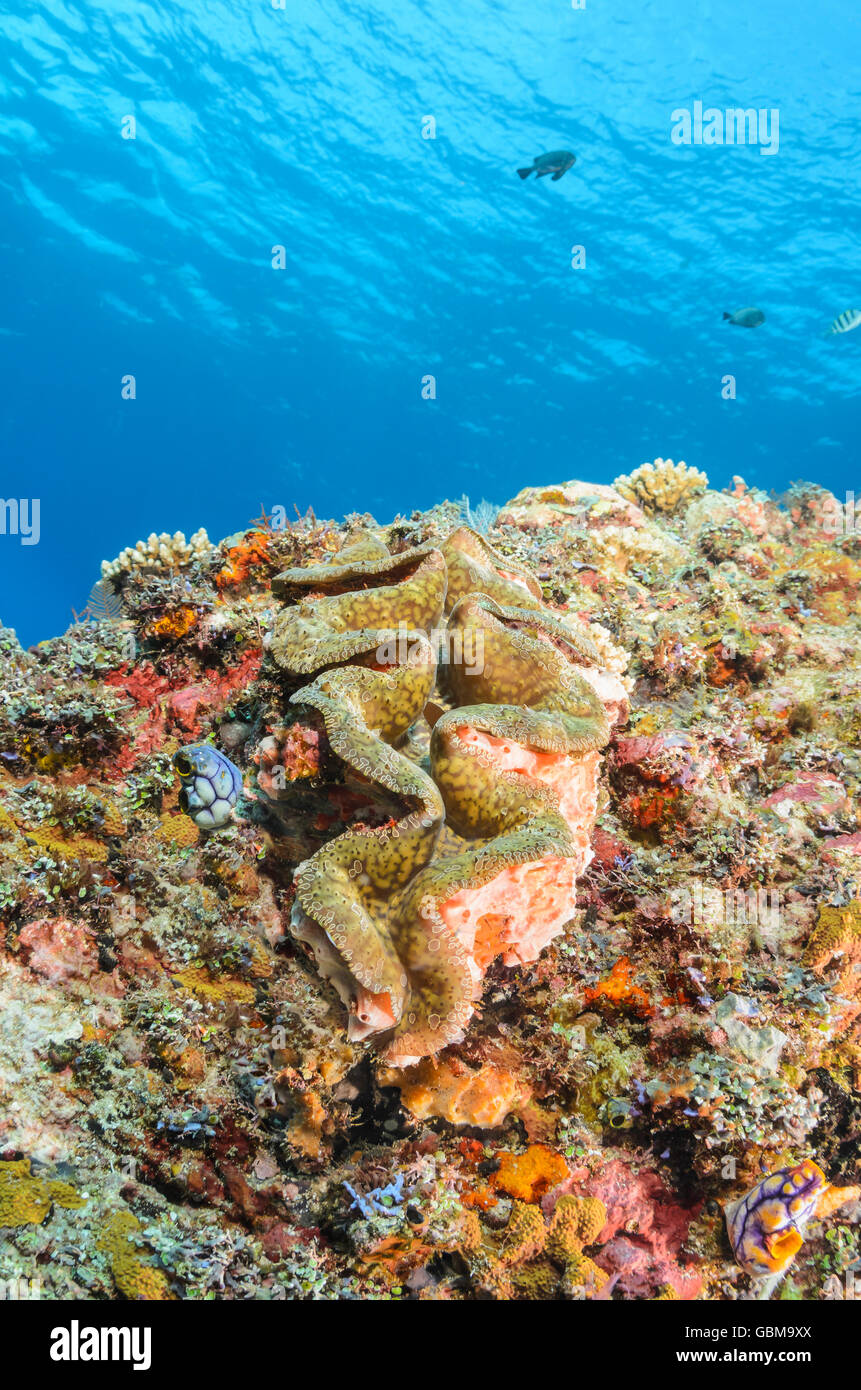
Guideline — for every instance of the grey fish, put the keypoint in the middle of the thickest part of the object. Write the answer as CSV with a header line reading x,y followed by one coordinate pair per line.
x,y
746,318
555,162
210,785
845,322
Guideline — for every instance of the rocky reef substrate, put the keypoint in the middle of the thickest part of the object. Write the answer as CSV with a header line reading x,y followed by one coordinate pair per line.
x,y
531,952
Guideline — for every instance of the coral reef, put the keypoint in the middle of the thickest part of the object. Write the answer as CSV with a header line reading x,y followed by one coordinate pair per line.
x,y
661,486
525,951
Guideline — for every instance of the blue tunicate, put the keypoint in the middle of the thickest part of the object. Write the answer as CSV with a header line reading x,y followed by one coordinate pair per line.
x,y
210,785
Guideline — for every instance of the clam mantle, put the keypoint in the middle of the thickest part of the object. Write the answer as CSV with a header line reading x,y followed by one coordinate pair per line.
x,y
405,919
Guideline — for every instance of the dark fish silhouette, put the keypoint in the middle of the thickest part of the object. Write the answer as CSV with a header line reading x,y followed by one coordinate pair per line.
x,y
555,162
746,318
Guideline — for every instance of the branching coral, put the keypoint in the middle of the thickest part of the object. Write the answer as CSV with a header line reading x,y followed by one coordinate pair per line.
x,y
662,486
404,933
159,552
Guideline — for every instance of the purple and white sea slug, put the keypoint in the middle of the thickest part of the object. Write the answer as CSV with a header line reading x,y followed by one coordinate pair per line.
x,y
766,1225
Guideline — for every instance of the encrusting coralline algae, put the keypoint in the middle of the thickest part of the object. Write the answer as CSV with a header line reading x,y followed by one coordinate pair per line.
x,y
522,960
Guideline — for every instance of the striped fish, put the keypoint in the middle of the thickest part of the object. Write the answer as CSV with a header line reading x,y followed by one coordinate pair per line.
x,y
845,322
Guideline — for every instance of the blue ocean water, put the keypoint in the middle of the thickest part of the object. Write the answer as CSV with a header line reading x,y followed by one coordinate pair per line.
x,y
406,257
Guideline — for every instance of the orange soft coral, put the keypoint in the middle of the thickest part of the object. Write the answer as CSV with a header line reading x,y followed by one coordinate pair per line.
x,y
250,554
618,989
529,1176
452,1091
174,624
